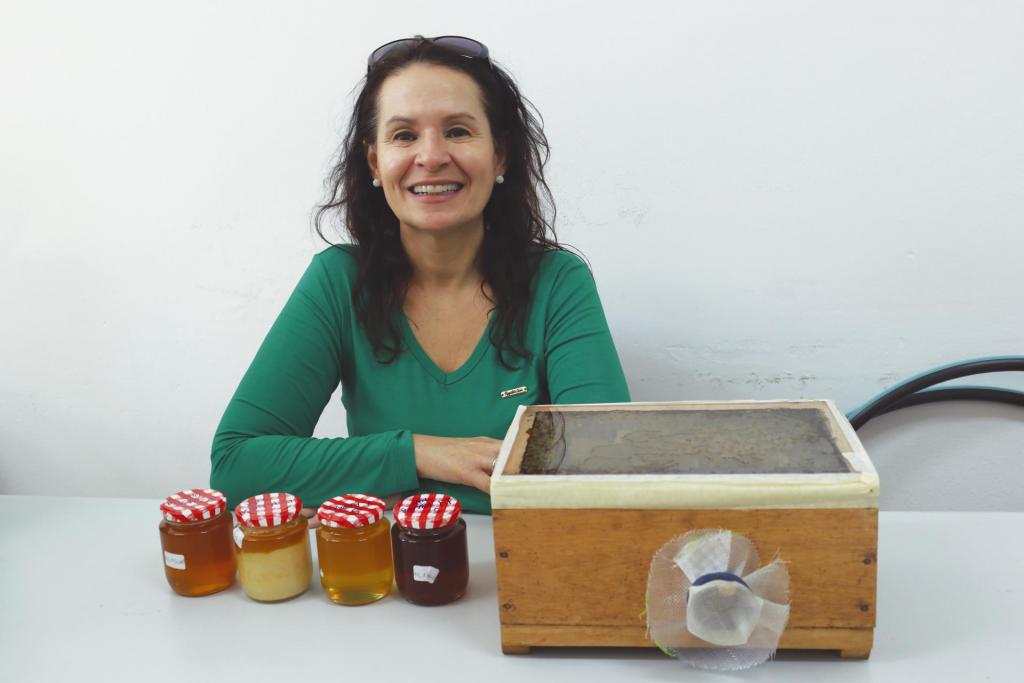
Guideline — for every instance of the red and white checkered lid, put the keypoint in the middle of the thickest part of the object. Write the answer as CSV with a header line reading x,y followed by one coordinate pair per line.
x,y
427,511
193,505
268,509
351,510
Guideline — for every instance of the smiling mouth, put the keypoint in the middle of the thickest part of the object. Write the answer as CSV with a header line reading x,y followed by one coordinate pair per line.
x,y
436,190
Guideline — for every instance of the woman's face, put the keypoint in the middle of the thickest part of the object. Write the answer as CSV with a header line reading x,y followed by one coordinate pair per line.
x,y
434,154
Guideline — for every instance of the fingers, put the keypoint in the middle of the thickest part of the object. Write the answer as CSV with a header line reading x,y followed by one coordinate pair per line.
x,y
488,450
489,444
393,500
486,460
458,460
312,521
480,479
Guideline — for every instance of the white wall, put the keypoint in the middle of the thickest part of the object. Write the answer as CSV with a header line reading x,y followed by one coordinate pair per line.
x,y
779,199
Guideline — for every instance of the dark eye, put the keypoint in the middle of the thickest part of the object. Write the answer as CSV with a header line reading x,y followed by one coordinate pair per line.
x,y
457,132
403,136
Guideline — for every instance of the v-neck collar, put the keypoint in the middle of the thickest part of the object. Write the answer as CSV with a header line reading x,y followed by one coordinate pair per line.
x,y
439,375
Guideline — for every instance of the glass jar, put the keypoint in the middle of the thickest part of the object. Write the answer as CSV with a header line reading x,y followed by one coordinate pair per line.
x,y
354,549
429,545
195,534
274,558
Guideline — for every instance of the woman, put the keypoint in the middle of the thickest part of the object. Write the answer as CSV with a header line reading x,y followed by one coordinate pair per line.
x,y
451,307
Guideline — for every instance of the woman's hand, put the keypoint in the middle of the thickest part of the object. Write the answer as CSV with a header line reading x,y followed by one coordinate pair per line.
x,y
312,521
458,461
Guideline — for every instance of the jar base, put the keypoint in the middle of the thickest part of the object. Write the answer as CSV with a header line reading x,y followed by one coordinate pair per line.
x,y
290,597
433,602
200,591
352,598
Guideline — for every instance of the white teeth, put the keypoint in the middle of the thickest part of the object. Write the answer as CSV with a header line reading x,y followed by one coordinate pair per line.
x,y
435,189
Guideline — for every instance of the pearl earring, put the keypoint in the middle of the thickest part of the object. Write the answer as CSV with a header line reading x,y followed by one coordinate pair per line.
x,y
376,182
499,179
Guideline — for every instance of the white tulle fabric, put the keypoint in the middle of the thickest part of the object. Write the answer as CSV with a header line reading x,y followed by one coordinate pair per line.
x,y
722,624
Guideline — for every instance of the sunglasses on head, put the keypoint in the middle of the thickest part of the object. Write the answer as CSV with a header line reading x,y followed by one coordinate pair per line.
x,y
465,47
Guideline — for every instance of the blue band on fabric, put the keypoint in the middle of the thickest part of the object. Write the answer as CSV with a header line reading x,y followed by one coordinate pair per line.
x,y
719,576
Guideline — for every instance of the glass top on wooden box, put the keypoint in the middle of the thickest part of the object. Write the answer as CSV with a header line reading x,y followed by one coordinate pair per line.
x,y
683,440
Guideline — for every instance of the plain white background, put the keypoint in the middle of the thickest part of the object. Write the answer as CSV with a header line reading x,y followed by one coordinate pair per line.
x,y
779,200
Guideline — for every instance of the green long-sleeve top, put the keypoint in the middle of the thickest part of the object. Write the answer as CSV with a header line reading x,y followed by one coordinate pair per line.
x,y
264,442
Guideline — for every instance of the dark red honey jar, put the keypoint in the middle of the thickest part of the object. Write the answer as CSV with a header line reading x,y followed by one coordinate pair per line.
x,y
429,546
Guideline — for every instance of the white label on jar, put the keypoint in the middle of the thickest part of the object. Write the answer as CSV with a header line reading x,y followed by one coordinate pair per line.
x,y
174,561
424,573
237,533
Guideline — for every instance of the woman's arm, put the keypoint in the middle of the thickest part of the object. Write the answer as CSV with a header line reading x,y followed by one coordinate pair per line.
x,y
263,442
581,363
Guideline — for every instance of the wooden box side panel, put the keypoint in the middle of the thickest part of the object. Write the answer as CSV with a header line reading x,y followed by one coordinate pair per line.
x,y
589,567
518,639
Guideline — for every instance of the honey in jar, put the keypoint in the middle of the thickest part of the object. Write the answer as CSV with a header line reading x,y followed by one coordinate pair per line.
x,y
429,544
354,549
274,559
199,557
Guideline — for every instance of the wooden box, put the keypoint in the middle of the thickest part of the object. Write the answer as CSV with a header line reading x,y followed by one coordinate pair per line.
x,y
584,495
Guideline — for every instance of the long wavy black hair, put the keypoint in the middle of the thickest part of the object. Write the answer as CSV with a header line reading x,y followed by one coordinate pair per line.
x,y
519,229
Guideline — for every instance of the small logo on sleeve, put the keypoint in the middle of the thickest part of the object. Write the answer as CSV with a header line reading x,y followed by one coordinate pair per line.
x,y
513,392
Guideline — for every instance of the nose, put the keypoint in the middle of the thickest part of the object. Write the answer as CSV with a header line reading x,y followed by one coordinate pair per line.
x,y
433,152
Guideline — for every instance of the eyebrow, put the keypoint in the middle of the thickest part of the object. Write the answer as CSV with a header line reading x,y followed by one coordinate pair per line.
x,y
407,121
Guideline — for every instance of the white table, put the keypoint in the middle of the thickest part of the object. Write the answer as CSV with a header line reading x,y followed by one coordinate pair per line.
x,y
84,598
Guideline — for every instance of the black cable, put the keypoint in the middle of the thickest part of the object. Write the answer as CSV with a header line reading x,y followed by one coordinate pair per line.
x,y
884,402
1007,396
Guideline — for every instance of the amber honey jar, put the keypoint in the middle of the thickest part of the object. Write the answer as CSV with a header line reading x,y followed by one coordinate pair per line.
x,y
429,544
354,549
195,533
274,558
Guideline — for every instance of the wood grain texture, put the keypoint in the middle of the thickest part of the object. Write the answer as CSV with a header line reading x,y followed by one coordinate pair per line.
x,y
589,567
515,457
518,639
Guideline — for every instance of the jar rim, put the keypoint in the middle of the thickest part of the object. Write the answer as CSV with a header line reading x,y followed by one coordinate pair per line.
x,y
351,510
268,510
427,511
193,505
